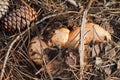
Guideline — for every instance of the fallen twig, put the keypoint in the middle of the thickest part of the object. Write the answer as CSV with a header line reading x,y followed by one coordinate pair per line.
x,y
54,15
81,47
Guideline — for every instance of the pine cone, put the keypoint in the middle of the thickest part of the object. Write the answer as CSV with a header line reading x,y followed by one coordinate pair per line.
x,y
18,19
4,4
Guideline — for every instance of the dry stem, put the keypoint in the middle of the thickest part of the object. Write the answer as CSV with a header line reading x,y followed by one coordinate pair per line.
x,y
54,15
81,47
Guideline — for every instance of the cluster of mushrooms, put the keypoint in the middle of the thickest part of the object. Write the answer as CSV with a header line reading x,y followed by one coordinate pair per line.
x,y
64,38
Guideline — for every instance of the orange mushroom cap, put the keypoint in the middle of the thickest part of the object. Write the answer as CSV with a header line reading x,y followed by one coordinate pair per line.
x,y
92,32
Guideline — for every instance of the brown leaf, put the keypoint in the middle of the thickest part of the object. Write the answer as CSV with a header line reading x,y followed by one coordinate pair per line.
x,y
54,66
71,59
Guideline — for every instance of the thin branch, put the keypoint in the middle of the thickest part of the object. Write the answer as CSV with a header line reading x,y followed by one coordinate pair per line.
x,y
54,15
81,47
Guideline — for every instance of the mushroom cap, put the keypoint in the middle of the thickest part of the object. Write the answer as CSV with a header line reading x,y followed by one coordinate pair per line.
x,y
35,50
60,37
93,32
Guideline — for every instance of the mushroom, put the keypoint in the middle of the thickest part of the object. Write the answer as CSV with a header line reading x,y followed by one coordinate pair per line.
x,y
60,37
93,32
36,50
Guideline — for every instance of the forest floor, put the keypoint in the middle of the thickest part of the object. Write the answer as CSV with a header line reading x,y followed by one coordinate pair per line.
x,y
50,60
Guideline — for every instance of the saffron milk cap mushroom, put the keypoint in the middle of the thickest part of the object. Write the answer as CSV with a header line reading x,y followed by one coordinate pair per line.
x,y
35,50
93,32
60,37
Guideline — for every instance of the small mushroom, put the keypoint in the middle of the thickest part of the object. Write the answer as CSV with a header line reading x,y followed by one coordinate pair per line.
x,y
36,50
60,37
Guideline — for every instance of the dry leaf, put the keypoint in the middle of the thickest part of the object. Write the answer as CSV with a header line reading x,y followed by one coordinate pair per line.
x,y
53,66
60,37
35,50
71,59
92,32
